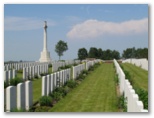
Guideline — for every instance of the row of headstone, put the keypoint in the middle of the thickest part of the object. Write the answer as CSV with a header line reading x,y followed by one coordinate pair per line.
x,y
71,62
143,63
54,80
10,74
21,65
30,72
19,97
77,70
89,64
133,103
56,65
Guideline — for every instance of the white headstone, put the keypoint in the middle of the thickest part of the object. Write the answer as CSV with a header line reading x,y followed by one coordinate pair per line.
x,y
14,73
48,84
24,73
28,94
33,71
44,86
6,76
11,101
10,74
51,82
54,81
21,96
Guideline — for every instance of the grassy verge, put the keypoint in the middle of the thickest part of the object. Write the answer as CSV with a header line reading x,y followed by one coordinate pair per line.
x,y
138,76
96,93
139,80
37,89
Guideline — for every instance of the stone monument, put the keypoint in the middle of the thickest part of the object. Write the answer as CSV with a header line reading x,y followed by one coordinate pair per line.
x,y
45,55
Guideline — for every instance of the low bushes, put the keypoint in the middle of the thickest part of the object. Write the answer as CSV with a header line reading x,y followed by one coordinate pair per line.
x,y
36,76
116,79
50,65
5,84
143,95
71,84
20,71
45,101
122,105
15,81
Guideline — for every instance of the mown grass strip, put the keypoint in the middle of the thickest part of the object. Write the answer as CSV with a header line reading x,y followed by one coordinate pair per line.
x,y
139,76
97,93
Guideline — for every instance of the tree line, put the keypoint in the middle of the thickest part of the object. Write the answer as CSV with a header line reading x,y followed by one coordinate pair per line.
x,y
98,53
135,53
112,54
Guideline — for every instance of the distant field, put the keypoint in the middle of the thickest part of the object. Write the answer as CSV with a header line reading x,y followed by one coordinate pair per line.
x,y
97,93
139,75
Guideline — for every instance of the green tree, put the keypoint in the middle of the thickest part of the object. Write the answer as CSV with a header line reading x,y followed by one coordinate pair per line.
x,y
82,53
129,53
60,48
135,53
115,54
100,53
93,53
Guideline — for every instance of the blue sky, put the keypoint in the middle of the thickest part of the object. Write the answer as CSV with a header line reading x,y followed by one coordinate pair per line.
x,y
85,25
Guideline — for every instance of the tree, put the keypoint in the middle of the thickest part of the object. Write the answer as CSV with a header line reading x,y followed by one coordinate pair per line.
x,y
115,54
82,53
100,53
135,53
93,53
60,48
129,53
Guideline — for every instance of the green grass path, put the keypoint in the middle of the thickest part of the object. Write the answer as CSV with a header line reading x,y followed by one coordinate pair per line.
x,y
37,89
96,93
139,75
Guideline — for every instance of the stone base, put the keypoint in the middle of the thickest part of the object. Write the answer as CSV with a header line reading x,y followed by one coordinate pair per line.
x,y
45,56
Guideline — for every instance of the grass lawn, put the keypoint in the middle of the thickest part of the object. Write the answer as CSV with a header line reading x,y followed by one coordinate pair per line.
x,y
37,89
139,76
97,93
19,75
50,70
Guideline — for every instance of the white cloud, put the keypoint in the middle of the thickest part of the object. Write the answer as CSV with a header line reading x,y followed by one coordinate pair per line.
x,y
95,28
23,23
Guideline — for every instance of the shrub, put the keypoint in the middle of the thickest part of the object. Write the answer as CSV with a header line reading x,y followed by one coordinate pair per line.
x,y
36,76
60,90
80,77
66,90
71,83
15,81
5,85
122,103
143,96
20,71
42,74
45,101
116,79
85,72
50,65
91,68
42,109
57,95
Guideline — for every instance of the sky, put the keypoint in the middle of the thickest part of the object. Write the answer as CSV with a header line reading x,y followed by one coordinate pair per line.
x,y
106,26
